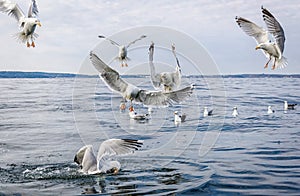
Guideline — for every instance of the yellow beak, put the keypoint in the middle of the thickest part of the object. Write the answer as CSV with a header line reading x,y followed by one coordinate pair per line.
x,y
257,47
39,24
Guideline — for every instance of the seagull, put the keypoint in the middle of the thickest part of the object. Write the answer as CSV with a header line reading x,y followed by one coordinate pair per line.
x,y
207,113
26,24
130,92
272,50
169,80
122,56
270,111
179,118
135,116
235,112
89,164
289,106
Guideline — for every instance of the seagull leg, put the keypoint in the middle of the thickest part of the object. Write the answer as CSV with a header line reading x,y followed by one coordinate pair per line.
x,y
266,66
32,44
274,65
28,44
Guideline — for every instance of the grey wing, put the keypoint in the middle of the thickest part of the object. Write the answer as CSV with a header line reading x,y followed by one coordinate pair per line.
x,y
33,10
274,28
159,98
174,53
155,78
253,30
12,9
111,41
113,147
109,75
142,37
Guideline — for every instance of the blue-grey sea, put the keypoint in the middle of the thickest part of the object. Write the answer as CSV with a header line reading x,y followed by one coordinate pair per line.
x,y
44,121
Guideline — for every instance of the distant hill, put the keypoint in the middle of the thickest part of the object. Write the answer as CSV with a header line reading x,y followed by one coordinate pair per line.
x,y
20,74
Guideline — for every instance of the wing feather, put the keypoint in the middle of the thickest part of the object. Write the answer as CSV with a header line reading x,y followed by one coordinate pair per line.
x,y
12,9
112,147
142,37
159,98
274,28
253,30
155,78
111,77
33,10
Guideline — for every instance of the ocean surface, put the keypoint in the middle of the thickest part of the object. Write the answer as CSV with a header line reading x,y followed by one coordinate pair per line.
x,y
44,121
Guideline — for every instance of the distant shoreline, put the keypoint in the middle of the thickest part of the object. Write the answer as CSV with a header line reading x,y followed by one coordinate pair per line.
x,y
20,74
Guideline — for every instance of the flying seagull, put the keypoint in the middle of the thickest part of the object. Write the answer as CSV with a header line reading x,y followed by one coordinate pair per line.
x,y
169,80
272,50
89,164
27,24
130,92
122,56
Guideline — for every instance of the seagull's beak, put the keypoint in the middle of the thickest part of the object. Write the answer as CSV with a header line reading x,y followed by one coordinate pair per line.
x,y
38,23
257,47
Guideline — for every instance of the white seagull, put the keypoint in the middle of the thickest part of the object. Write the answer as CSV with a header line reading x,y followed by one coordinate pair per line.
x,y
270,111
89,164
122,56
235,112
287,106
179,118
271,49
133,115
27,24
133,93
170,81
206,112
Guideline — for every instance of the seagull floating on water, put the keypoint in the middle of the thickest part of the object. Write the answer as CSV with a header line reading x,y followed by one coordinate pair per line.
x,y
270,111
89,164
130,92
235,112
179,118
133,115
206,112
26,24
270,49
122,56
169,80
289,106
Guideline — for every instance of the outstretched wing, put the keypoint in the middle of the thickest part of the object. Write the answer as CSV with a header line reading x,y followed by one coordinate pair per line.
x,y
159,98
142,37
111,41
274,28
174,53
109,75
33,10
253,30
12,9
155,78
113,147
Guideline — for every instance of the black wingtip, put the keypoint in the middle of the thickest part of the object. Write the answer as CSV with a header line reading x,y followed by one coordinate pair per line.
x,y
101,36
262,7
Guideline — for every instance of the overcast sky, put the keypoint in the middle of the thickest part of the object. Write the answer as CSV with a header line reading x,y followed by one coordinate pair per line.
x,y
70,28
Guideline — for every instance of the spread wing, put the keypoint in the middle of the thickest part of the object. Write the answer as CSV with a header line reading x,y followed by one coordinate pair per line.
x,y
274,28
12,9
142,37
159,98
109,75
174,53
111,41
33,10
155,78
113,147
253,30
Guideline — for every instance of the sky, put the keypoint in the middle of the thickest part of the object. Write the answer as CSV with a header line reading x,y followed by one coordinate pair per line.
x,y
70,28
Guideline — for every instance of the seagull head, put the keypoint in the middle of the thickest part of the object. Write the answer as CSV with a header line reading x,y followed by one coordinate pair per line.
x,y
261,46
176,112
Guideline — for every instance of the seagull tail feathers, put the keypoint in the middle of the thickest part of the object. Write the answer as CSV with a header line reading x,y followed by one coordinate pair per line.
x,y
281,63
23,38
